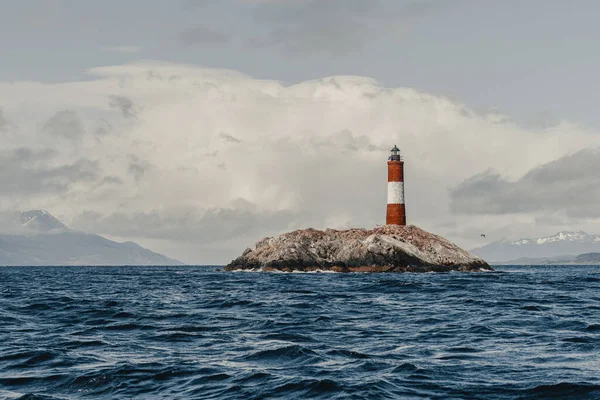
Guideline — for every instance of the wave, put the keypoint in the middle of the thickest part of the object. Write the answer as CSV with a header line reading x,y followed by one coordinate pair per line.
x,y
565,390
292,353
288,337
306,388
128,327
593,327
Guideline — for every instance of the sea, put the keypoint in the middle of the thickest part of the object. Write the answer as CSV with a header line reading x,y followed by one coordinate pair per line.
x,y
196,332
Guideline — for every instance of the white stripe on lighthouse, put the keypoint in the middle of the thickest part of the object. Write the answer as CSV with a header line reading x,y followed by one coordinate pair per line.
x,y
395,193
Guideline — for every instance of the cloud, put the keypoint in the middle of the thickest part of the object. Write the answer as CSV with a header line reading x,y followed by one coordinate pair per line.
x,y
229,138
192,5
138,167
5,124
201,35
112,180
124,105
567,185
339,39
103,128
308,27
27,171
123,49
66,124
333,27
310,154
189,225
346,141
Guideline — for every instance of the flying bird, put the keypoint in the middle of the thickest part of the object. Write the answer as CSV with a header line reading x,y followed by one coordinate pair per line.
x,y
482,235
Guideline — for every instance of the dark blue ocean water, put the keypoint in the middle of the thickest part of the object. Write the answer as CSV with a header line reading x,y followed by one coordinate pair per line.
x,y
193,332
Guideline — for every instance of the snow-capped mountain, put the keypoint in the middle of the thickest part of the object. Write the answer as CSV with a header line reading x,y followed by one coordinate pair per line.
x,y
41,221
567,243
40,239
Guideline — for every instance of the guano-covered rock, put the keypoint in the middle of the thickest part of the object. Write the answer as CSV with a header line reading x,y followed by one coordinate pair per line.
x,y
389,248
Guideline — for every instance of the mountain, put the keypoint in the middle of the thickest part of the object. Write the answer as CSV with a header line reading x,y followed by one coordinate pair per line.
x,y
41,221
581,259
588,258
43,240
563,245
536,261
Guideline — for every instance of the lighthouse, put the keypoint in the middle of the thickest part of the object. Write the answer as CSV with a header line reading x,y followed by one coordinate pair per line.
x,y
396,211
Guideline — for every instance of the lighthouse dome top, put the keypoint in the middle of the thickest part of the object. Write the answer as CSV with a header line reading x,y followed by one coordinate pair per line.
x,y
395,154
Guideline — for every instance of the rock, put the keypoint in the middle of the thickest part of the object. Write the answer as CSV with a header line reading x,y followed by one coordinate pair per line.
x,y
389,248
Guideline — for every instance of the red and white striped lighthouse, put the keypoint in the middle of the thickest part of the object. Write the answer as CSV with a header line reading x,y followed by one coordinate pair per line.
x,y
396,212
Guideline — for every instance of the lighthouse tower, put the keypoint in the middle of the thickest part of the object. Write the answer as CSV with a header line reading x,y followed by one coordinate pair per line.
x,y
396,212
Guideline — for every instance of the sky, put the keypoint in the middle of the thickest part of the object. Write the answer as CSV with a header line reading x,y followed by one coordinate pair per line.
x,y
195,128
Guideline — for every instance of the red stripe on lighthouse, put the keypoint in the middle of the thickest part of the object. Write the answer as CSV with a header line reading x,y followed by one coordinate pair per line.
x,y
396,211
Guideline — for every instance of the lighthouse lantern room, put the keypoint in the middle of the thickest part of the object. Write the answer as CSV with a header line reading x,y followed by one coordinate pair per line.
x,y
395,154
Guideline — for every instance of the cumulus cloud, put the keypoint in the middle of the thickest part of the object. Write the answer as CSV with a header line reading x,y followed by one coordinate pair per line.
x,y
229,138
66,124
113,180
104,128
4,123
138,167
214,148
124,105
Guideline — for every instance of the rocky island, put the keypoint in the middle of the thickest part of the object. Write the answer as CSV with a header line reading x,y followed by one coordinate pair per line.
x,y
389,248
